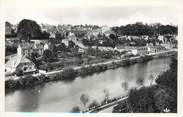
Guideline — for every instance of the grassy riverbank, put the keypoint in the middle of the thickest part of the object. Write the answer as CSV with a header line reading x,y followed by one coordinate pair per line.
x,y
158,98
69,74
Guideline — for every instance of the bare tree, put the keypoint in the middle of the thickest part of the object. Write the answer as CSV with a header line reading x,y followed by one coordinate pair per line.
x,y
124,85
140,81
75,109
106,94
151,78
84,99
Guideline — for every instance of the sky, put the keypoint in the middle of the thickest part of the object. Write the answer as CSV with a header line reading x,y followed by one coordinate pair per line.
x,y
100,15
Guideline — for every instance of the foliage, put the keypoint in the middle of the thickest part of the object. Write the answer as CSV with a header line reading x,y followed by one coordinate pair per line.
x,y
75,109
50,56
122,107
145,29
106,94
155,98
10,50
69,73
124,85
19,72
28,29
140,81
94,104
44,35
169,78
141,100
84,99
23,81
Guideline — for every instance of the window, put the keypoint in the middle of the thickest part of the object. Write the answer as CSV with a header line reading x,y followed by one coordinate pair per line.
x,y
25,68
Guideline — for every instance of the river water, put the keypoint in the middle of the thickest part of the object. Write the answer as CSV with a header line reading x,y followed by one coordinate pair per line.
x,y
62,96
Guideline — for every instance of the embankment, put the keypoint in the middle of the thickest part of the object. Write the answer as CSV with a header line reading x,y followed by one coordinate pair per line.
x,y
69,74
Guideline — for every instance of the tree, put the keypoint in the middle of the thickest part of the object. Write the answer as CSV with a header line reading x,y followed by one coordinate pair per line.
x,y
48,55
151,78
141,100
169,78
124,85
75,109
161,99
19,72
28,29
94,104
106,94
122,107
71,44
84,99
44,35
140,81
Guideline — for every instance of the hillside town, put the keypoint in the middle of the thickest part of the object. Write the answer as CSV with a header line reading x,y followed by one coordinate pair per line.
x,y
50,47
39,53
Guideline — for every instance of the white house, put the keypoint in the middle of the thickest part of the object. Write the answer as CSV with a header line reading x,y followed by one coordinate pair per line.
x,y
161,38
19,61
45,46
66,42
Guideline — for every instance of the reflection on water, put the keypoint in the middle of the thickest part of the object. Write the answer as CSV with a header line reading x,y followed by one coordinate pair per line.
x,y
61,96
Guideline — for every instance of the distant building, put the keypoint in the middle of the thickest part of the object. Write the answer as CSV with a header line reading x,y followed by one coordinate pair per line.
x,y
52,35
81,50
161,38
109,32
27,48
8,28
45,47
71,36
145,37
66,42
140,51
94,33
168,45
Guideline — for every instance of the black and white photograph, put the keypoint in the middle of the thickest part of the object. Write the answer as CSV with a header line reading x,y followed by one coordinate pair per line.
x,y
90,59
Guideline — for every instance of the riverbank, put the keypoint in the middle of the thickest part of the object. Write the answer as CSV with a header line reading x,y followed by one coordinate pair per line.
x,y
69,74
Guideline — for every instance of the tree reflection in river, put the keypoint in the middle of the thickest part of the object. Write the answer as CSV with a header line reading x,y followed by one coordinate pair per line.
x,y
62,96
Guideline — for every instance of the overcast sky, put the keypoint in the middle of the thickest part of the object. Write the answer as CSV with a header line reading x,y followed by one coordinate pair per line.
x,y
100,15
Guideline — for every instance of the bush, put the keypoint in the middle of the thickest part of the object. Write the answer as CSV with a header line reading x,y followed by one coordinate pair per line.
x,y
75,109
94,104
69,73
122,107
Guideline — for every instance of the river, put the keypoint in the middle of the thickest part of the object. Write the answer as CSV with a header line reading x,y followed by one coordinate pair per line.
x,y
61,96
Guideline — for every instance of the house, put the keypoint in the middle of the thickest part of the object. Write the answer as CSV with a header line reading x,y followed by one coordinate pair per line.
x,y
25,49
107,33
154,49
28,48
45,47
81,50
8,28
71,36
52,35
19,62
66,42
94,33
140,50
39,48
161,38
146,37
167,45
